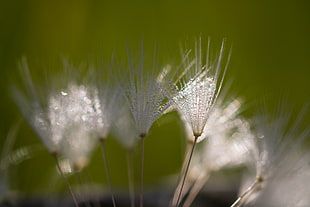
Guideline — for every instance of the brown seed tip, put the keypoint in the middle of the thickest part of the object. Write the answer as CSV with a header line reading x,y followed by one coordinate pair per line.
x,y
142,135
260,179
54,153
197,134
101,138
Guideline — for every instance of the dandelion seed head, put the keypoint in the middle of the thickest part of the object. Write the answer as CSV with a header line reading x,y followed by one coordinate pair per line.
x,y
289,186
277,144
78,106
145,95
196,91
194,99
74,115
67,116
276,139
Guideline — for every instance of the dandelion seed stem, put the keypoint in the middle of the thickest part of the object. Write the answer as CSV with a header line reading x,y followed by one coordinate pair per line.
x,y
141,170
85,200
199,183
186,169
187,153
107,171
89,179
131,183
249,190
65,180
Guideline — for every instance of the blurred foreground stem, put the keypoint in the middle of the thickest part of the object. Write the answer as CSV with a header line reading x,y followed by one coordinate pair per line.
x,y
107,171
131,183
249,190
65,180
141,169
199,183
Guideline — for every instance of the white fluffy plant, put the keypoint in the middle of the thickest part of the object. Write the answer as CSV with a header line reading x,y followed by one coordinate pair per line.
x,y
65,115
228,140
74,115
289,186
195,92
144,94
277,150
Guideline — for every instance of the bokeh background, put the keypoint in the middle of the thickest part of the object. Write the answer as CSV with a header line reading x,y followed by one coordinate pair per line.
x,y
270,58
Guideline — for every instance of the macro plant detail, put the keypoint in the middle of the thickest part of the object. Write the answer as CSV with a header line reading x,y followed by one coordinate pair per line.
x,y
66,122
195,97
276,146
225,131
76,113
196,93
144,95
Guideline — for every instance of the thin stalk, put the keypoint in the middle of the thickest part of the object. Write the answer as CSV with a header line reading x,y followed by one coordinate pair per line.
x,y
181,174
89,179
141,170
65,180
199,183
79,178
249,190
131,182
107,171
186,170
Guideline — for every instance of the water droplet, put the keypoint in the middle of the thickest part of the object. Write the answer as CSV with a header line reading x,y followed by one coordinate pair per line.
x,y
64,93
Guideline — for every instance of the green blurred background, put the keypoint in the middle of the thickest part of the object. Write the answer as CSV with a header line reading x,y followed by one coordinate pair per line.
x,y
270,57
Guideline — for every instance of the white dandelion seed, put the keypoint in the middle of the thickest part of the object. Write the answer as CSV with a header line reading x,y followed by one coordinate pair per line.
x,y
53,112
276,142
145,96
74,115
63,117
229,139
195,96
289,185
